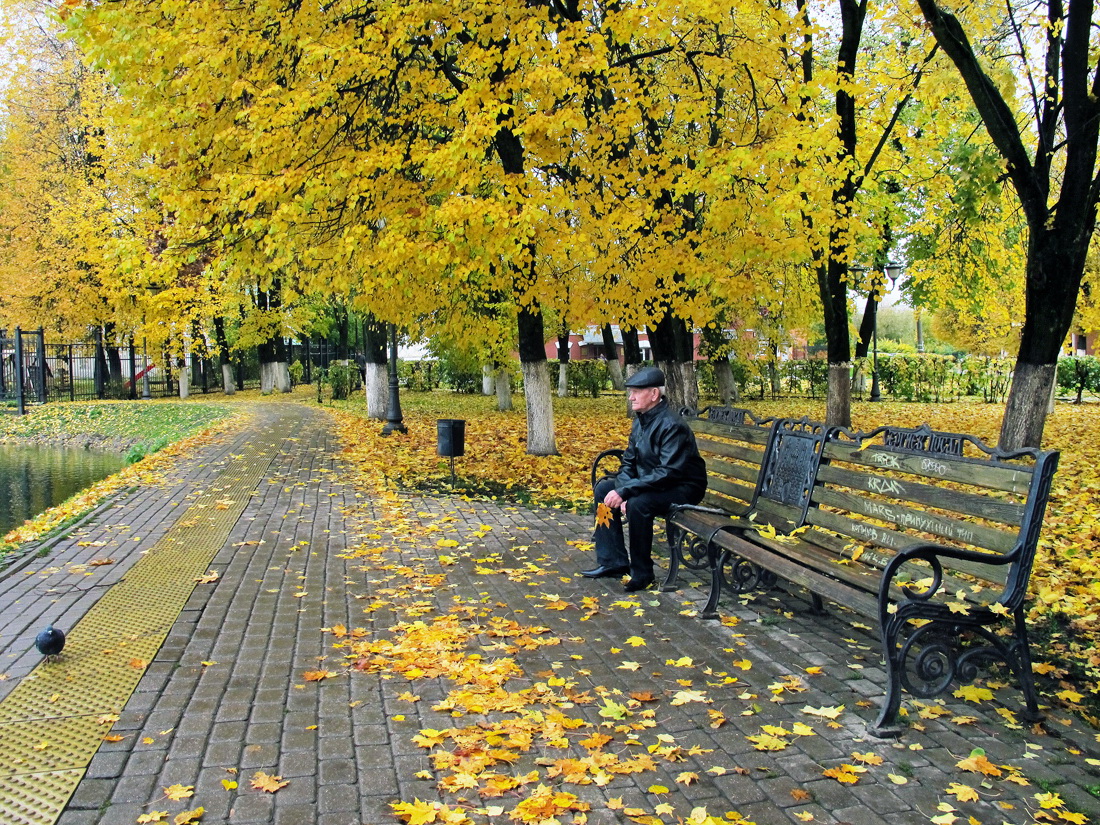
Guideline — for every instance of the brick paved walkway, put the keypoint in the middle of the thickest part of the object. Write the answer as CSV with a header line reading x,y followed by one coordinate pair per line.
x,y
226,694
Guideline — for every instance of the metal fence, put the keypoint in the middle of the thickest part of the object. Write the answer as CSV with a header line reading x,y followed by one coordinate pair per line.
x,y
34,371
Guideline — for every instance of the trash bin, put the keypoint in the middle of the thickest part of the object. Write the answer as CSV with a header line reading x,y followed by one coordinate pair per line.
x,y
451,434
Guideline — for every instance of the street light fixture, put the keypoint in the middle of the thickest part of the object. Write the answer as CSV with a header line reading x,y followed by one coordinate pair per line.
x,y
893,272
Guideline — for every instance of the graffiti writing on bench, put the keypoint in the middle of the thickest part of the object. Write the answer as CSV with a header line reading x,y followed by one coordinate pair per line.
x,y
885,485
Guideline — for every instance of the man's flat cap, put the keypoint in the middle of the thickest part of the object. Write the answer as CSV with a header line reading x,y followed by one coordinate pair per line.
x,y
647,377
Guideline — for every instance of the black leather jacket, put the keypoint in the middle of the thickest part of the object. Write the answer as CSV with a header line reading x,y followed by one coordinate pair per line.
x,y
661,454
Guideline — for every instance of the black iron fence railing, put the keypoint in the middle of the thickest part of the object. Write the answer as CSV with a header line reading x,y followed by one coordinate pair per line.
x,y
36,371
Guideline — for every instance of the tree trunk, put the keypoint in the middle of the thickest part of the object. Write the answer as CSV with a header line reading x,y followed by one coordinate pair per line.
x,y
376,380
228,385
486,380
504,389
611,353
536,384
563,363
185,379
728,393
632,351
1026,408
690,382
838,398
222,343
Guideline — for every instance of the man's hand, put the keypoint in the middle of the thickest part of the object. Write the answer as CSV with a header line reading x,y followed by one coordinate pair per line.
x,y
615,501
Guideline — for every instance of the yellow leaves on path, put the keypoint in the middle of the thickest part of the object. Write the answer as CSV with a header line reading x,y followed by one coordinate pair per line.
x,y
824,712
267,783
319,675
845,774
178,792
978,763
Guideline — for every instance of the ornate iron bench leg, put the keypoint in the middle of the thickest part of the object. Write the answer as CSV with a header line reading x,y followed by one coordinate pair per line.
x,y
886,725
675,537
710,609
1021,661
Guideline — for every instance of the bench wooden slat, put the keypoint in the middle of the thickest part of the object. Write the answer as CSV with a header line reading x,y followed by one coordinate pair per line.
x,y
741,472
986,474
723,490
739,432
892,540
749,455
899,515
759,551
971,504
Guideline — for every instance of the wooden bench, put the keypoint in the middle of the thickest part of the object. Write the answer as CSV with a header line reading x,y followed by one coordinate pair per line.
x,y
931,534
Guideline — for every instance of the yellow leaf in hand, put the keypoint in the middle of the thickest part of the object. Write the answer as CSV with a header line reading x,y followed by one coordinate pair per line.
x,y
603,515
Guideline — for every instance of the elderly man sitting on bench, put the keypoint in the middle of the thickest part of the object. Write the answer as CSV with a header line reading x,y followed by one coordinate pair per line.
x,y
660,468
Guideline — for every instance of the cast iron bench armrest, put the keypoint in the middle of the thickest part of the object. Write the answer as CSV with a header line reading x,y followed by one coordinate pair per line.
x,y
932,553
616,453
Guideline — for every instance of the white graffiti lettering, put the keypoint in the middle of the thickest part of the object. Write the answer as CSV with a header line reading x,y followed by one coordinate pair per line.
x,y
886,460
884,485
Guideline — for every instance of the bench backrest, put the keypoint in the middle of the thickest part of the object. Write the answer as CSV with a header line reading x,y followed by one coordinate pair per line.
x,y
731,441
766,465
884,490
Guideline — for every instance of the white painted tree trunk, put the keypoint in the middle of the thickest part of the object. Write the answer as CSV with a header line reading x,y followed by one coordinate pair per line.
x,y
563,379
690,382
616,371
727,387
229,386
540,409
376,389
838,401
504,389
185,382
487,380
274,377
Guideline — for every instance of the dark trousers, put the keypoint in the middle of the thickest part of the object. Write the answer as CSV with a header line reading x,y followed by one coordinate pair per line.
x,y
641,510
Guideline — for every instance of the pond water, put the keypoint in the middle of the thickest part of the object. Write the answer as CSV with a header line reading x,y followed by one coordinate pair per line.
x,y
33,478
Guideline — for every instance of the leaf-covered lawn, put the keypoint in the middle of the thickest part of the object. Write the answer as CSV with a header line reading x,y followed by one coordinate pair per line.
x,y
1065,586
149,425
140,427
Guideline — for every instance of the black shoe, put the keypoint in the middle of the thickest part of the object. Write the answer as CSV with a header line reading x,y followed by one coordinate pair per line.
x,y
634,585
605,572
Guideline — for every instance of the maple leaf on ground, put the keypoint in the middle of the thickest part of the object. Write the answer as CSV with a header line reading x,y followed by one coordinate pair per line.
x,y
187,817
152,816
973,693
319,675
178,792
267,783
978,763
846,774
827,713
964,793
869,758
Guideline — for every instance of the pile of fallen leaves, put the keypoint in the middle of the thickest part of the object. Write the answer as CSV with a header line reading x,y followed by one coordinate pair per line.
x,y
1065,586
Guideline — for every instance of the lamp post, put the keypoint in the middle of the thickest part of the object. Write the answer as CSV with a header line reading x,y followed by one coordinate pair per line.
x,y
394,421
893,271
145,394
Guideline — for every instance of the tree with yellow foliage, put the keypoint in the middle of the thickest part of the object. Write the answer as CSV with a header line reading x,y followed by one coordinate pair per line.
x,y
1031,71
